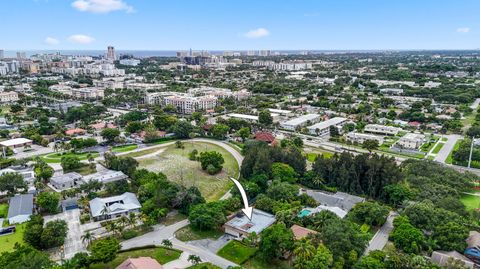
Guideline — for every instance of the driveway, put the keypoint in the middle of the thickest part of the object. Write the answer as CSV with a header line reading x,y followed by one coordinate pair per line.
x,y
162,232
35,150
380,239
73,242
212,245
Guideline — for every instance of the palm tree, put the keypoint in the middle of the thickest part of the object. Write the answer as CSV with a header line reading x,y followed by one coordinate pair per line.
x,y
132,219
124,221
87,237
194,259
111,227
167,243
104,212
304,249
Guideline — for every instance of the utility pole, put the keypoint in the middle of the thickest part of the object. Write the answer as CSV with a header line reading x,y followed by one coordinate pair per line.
x,y
471,151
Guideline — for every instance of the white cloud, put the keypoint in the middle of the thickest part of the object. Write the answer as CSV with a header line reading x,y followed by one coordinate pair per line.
x,y
81,39
463,30
51,41
101,6
257,33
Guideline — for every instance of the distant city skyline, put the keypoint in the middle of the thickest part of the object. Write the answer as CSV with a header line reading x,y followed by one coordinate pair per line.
x,y
246,25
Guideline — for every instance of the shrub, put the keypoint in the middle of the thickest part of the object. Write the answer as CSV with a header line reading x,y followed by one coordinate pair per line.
x,y
128,234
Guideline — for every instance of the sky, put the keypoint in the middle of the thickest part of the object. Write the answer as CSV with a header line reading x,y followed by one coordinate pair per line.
x,y
240,24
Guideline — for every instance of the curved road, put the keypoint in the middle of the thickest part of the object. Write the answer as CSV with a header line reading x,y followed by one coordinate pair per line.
x,y
162,232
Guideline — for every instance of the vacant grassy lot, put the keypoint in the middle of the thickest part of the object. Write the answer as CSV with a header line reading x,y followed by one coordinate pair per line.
x,y
188,234
176,165
8,241
236,252
124,148
162,255
56,157
470,201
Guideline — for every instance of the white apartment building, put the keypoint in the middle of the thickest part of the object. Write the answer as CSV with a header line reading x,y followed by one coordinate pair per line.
x,y
144,86
301,121
289,66
6,97
87,93
393,91
130,62
323,128
220,92
382,129
61,88
189,104
411,141
360,137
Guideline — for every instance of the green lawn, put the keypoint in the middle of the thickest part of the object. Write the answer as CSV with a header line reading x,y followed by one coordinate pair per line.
x,y
437,148
56,157
205,265
124,148
449,159
236,252
162,255
8,241
471,202
311,156
188,234
257,262
444,139
176,165
3,211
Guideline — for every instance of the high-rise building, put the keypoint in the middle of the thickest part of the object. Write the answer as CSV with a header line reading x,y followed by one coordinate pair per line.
x,y
111,53
1,54
21,55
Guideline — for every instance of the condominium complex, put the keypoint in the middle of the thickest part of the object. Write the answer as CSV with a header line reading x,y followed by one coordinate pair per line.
x,y
203,98
87,93
288,66
410,141
360,137
382,129
6,97
188,104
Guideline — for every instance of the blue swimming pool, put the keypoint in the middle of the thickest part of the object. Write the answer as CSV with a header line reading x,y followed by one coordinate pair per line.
x,y
304,213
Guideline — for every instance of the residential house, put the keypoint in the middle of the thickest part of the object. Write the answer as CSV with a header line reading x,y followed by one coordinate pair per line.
x,y
66,181
442,258
330,201
105,176
140,263
115,206
239,226
300,232
20,208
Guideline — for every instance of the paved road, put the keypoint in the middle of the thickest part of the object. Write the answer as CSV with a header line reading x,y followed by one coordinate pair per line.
x,y
447,147
167,232
380,239
475,104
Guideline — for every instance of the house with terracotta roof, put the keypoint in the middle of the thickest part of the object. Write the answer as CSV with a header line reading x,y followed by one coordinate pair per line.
x,y
75,131
102,125
140,263
265,136
300,232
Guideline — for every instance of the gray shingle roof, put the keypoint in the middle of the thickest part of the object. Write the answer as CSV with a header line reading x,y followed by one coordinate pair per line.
x,y
20,205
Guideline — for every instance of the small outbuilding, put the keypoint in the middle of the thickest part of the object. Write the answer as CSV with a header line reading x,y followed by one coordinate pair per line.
x,y
20,208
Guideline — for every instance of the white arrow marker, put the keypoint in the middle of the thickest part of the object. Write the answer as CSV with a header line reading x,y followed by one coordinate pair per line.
x,y
248,210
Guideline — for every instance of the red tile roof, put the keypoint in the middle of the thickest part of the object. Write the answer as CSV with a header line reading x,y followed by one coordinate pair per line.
x,y
140,263
265,136
75,131
300,232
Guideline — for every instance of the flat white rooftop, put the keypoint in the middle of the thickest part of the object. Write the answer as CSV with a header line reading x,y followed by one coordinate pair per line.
x,y
326,124
301,119
14,142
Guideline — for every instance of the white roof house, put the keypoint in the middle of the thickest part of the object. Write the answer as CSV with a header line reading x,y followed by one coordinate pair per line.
x,y
114,206
105,176
240,225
